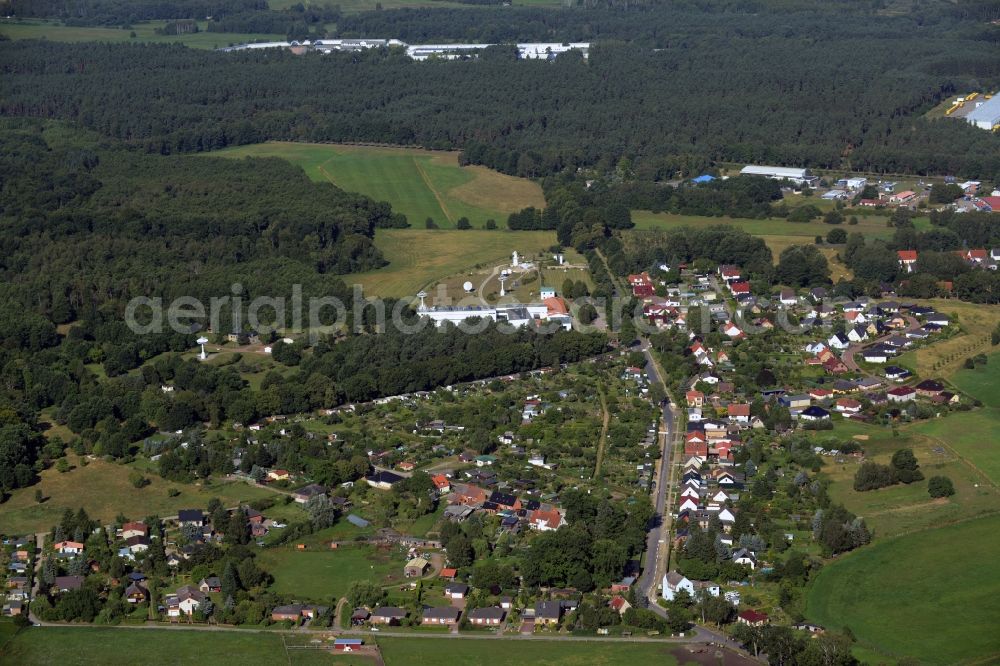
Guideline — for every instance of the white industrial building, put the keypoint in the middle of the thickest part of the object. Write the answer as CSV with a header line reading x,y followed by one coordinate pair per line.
x,y
797,176
986,115
526,51
517,315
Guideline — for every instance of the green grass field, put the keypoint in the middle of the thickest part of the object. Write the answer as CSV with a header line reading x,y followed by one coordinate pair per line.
x,y
97,646
322,574
418,183
419,258
873,226
144,32
973,435
428,652
906,508
983,382
932,595
104,490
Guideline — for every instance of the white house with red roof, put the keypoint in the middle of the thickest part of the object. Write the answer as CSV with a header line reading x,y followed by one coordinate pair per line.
x,y
739,288
907,258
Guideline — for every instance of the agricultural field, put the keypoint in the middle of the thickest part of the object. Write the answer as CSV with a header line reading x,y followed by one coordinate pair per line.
x,y
932,595
320,574
419,258
144,32
427,651
419,183
104,490
903,508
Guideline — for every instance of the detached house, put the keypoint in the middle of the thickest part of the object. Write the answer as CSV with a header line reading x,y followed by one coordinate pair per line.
x,y
491,616
907,259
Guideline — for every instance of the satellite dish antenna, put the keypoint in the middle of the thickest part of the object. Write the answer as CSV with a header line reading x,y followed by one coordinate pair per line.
x,y
468,287
202,341
422,295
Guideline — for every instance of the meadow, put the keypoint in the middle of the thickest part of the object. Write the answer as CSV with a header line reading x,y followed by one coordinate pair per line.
x,y
907,508
428,651
872,226
104,490
144,32
97,646
320,574
419,183
945,358
932,595
419,258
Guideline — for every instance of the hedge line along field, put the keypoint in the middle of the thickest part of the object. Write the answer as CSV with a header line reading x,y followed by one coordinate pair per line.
x,y
419,183
932,595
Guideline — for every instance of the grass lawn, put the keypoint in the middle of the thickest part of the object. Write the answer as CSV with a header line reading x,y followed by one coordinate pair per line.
x,y
145,32
323,574
418,258
933,595
418,183
104,490
427,651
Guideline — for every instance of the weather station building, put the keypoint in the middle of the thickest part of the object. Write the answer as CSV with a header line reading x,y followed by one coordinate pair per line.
x,y
797,176
517,315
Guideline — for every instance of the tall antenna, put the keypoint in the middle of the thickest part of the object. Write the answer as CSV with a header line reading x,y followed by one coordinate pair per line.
x,y
503,278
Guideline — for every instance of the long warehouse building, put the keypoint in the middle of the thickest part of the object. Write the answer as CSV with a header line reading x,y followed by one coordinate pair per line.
x,y
987,115
797,176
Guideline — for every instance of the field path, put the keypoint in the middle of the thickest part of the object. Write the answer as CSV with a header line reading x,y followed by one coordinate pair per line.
x,y
430,186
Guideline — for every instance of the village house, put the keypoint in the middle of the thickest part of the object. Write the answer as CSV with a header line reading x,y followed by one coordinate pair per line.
x,y
67,583
390,615
184,602
136,593
673,582
383,480
278,475
306,493
191,517
489,616
548,612
752,618
907,259
295,612
901,394
133,529
456,590
440,615
545,519
68,547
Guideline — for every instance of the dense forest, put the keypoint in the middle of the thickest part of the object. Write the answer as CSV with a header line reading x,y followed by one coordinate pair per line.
x,y
87,225
660,89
